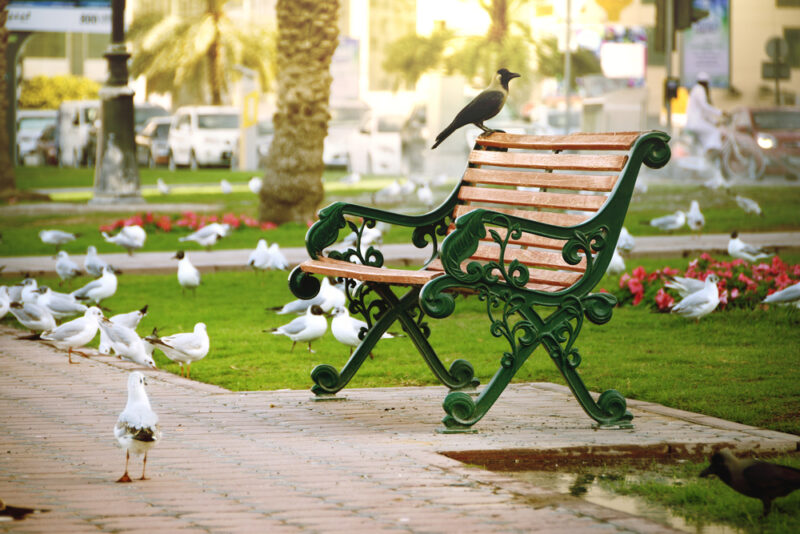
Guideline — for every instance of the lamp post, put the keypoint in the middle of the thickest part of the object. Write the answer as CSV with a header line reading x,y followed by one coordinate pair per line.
x,y
116,175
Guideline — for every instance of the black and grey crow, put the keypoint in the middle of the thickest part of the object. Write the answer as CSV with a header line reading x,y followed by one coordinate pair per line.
x,y
483,107
760,480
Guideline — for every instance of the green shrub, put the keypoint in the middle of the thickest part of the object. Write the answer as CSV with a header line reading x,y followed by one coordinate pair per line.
x,y
45,92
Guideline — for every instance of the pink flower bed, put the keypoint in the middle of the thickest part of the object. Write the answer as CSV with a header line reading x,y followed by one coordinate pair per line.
x,y
188,220
741,284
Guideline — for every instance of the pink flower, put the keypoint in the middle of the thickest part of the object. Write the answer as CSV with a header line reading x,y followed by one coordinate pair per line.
x,y
637,290
624,280
723,298
734,293
669,271
639,273
663,300
269,225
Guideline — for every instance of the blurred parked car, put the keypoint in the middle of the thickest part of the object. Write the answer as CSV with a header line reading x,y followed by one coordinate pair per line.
x,y
377,148
151,142
143,112
346,118
203,135
75,121
776,130
30,125
45,151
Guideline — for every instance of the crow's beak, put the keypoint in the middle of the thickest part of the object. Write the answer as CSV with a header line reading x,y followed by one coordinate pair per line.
x,y
512,75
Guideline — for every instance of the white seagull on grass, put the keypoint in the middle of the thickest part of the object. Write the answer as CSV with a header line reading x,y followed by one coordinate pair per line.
x,y
700,303
626,242
75,333
329,297
129,237
748,205
208,235
787,295
346,329
617,263
744,251
93,263
685,286
126,343
188,275
65,267
306,328
667,223
98,289
184,348
163,188
61,305
225,186
137,427
56,237
254,184
129,320
695,218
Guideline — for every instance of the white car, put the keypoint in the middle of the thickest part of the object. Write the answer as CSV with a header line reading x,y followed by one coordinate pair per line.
x,y
378,147
203,135
76,120
30,125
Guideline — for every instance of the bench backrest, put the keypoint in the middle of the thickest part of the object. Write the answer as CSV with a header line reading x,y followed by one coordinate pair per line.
x,y
560,180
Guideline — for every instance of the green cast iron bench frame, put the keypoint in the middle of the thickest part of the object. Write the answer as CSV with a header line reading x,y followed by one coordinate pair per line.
x,y
522,251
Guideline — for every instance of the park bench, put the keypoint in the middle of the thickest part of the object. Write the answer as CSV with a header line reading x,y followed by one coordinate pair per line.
x,y
529,229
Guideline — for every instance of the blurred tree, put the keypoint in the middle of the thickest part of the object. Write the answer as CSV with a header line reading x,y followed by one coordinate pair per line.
x,y
409,57
551,61
308,34
8,182
197,54
45,92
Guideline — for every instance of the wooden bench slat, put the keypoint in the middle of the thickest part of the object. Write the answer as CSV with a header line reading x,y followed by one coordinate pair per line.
x,y
577,182
529,257
330,267
542,278
578,162
577,141
548,217
526,239
530,198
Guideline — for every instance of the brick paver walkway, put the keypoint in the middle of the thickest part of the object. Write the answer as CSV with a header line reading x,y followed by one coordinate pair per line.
x,y
277,461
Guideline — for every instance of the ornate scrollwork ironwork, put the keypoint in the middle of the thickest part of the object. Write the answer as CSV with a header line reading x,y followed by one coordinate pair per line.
x,y
365,302
358,254
521,333
427,235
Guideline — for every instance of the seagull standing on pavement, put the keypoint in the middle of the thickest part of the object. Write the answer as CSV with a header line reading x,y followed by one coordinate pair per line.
x,y
32,316
75,333
787,295
163,188
700,303
695,218
741,250
225,186
93,263
137,427
264,258
56,237
306,328
126,343
667,223
99,289
128,320
626,242
65,267
184,348
188,275
61,305
129,237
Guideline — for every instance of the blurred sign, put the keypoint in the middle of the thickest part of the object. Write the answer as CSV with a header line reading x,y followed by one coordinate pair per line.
x,y
706,45
775,71
47,16
777,49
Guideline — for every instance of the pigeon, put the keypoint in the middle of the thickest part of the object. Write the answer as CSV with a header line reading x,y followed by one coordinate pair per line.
x,y
137,427
188,275
163,188
788,295
65,267
208,235
254,184
128,320
129,237
748,205
225,186
306,328
753,478
75,333
61,305
93,263
670,222
617,264
56,237
32,316
741,250
346,329
126,343
17,513
626,242
99,289
700,303
328,297
695,218
5,301
184,348
685,286
425,195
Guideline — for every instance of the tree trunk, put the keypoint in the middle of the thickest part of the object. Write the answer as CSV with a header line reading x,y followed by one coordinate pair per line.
x,y
214,67
307,37
7,181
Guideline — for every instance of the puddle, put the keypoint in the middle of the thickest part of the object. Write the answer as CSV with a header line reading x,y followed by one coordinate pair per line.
x,y
589,487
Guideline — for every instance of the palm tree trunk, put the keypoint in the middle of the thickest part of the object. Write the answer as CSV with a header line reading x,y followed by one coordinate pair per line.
x,y
214,67
307,37
7,181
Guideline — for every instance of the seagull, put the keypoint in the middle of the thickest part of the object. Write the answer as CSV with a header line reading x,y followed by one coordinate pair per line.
x,y
208,235
390,193
753,478
351,178
254,184
695,218
32,316
75,333
788,295
61,305
184,348
626,242
93,263
306,328
5,301
685,286
264,258
748,205
29,292
407,187
188,275
15,291
617,264
137,427
741,250
126,343
328,297
700,303
425,195
128,320
17,513
99,289
225,186
65,267
129,237
163,188
670,222
369,236
716,181
56,237
277,258
346,329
